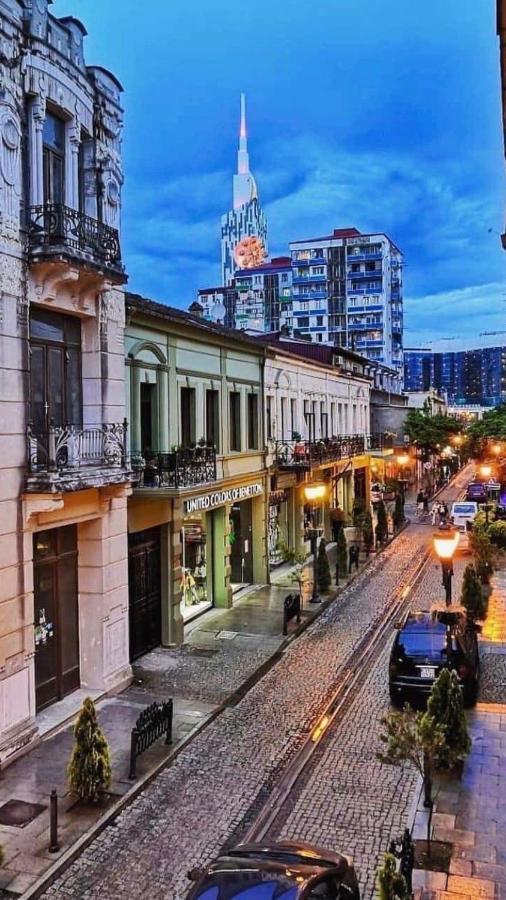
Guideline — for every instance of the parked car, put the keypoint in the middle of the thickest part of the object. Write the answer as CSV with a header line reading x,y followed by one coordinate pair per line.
x,y
288,870
428,642
462,516
477,491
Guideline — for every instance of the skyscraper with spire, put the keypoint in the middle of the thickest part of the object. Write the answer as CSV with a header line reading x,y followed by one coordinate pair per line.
x,y
244,227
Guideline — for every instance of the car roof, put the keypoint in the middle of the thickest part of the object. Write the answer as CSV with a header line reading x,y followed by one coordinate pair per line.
x,y
419,622
295,861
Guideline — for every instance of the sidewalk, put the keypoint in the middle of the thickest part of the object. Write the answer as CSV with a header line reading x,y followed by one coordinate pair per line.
x,y
224,652
470,813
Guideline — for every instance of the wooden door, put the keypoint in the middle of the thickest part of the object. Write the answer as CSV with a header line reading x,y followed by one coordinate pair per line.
x,y
145,600
56,615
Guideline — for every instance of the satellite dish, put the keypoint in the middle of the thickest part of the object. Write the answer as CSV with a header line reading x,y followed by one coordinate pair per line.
x,y
217,312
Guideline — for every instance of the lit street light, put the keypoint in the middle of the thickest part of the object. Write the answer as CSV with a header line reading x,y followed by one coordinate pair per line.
x,y
313,493
486,471
446,542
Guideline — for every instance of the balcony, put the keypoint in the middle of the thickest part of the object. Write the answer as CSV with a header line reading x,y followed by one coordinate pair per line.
x,y
308,279
70,458
374,290
55,230
186,467
305,455
306,261
367,257
365,326
373,273
312,295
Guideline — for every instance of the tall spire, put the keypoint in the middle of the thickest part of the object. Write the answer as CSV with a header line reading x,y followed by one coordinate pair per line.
x,y
242,155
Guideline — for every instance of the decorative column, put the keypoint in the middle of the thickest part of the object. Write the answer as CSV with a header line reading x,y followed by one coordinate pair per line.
x,y
162,381
38,115
73,142
136,409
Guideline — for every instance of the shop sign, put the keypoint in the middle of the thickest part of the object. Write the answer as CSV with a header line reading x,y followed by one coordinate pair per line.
x,y
276,497
219,498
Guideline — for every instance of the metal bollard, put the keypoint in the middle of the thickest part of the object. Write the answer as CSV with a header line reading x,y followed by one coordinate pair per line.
x,y
53,822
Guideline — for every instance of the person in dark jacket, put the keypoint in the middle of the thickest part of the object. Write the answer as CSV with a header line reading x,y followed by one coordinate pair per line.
x,y
353,554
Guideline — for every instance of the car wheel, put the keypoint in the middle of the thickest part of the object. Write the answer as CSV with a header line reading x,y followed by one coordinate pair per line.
x,y
470,692
396,699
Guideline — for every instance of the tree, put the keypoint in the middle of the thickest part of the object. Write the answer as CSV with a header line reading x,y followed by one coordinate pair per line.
x,y
471,597
430,432
391,884
483,551
491,427
323,576
89,768
446,706
418,739
382,526
367,532
398,516
342,553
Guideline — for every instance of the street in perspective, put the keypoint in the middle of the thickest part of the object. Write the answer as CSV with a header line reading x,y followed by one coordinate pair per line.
x,y
252,534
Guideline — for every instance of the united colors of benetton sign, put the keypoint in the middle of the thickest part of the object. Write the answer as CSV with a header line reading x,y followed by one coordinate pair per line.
x,y
219,498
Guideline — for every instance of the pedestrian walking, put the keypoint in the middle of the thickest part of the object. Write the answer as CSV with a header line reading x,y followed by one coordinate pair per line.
x,y
434,513
425,502
353,557
419,503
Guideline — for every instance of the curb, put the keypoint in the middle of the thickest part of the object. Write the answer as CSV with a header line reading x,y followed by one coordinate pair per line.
x,y
72,852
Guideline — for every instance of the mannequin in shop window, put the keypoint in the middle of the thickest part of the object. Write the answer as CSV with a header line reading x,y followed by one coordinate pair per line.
x,y
200,574
189,588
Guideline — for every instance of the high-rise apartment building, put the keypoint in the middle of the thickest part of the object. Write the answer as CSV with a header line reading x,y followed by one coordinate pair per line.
x,y
264,295
243,228
471,372
347,290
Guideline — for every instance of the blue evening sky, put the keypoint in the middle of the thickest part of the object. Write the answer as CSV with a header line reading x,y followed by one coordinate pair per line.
x,y
383,114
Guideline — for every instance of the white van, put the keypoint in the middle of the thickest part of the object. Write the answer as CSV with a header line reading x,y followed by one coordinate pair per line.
x,y
463,511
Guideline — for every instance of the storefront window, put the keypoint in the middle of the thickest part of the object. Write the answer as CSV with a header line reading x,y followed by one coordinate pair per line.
x,y
196,592
278,526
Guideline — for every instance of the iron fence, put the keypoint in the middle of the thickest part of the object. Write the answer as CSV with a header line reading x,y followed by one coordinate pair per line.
x,y
185,467
70,447
306,454
53,224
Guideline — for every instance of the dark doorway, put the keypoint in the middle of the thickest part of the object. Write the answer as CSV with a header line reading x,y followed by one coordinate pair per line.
x,y
56,614
148,398
144,584
241,543
55,370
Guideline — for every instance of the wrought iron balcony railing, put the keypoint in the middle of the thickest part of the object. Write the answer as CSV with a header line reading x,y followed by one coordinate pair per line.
x,y
182,468
54,225
310,454
70,457
72,447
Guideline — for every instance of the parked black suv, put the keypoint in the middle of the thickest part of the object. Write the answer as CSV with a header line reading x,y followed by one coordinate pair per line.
x,y
428,642
287,870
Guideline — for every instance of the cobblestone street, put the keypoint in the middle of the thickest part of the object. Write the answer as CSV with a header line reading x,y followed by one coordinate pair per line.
x,y
203,799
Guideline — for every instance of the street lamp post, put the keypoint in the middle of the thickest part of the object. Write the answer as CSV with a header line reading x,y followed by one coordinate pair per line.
x,y
314,492
445,544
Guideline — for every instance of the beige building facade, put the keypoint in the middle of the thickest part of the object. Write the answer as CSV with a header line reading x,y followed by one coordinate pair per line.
x,y
197,515
65,477
317,411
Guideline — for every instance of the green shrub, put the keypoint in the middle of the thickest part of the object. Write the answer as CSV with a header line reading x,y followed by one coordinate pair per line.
x,y
497,533
382,526
446,706
391,884
367,532
472,598
322,568
89,768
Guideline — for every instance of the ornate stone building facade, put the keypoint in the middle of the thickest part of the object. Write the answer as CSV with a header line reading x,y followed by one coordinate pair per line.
x,y
65,478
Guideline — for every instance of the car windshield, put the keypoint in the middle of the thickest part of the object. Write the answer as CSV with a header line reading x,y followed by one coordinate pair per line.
x,y
264,890
428,643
